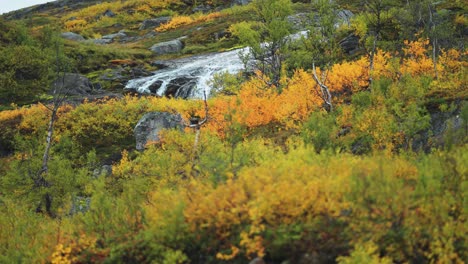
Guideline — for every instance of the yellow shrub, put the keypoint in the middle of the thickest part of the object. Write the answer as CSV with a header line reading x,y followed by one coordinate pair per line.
x,y
78,24
179,21
175,22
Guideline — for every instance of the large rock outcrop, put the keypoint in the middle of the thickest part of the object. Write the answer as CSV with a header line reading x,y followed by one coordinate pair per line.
x,y
73,84
149,126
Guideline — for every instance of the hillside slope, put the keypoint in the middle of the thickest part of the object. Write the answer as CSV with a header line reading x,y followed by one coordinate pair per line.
x,y
342,140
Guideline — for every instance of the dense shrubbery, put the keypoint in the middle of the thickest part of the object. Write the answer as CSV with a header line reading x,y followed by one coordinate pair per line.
x,y
26,63
277,206
275,174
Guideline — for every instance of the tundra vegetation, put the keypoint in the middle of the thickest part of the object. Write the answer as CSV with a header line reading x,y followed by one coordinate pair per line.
x,y
318,155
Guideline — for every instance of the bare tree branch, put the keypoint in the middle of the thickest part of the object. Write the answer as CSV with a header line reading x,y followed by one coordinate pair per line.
x,y
325,92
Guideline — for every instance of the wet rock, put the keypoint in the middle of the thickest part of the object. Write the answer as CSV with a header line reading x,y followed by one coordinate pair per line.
x,y
72,36
181,87
155,86
154,22
151,124
173,46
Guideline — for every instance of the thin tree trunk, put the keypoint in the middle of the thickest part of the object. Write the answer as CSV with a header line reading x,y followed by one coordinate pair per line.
x,y
50,133
326,95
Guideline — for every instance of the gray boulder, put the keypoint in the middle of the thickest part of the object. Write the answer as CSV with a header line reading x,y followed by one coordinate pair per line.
x,y
155,22
73,84
240,2
112,37
344,17
173,46
152,123
72,36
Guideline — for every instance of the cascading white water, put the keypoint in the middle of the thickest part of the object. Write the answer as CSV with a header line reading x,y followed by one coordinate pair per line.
x,y
190,75
197,69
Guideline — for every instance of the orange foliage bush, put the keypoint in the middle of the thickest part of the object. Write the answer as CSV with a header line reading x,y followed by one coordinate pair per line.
x,y
77,25
352,76
416,61
257,105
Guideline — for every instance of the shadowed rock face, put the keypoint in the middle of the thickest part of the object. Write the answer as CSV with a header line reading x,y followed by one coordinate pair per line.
x,y
181,87
73,84
149,126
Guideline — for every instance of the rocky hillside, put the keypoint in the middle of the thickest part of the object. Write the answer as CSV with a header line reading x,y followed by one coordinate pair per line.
x,y
112,42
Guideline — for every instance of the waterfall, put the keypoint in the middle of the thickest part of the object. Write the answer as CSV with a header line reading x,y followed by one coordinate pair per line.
x,y
188,77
